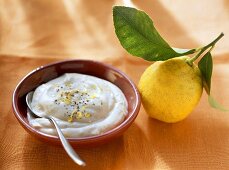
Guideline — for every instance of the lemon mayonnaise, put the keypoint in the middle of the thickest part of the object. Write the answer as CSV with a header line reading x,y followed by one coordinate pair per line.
x,y
82,105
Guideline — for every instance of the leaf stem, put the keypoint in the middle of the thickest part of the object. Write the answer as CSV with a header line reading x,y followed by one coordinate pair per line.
x,y
202,49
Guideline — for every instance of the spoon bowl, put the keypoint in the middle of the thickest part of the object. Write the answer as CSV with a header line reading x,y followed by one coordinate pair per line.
x,y
46,73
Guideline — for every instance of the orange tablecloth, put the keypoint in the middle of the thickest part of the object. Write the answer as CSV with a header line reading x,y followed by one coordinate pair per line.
x,y
34,33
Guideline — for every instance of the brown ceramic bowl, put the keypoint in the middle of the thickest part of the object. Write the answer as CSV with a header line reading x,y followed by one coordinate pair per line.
x,y
45,73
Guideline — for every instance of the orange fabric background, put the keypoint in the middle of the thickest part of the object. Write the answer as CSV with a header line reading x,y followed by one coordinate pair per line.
x,y
34,33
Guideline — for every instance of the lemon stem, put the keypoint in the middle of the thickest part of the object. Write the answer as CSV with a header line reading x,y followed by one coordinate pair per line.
x,y
202,49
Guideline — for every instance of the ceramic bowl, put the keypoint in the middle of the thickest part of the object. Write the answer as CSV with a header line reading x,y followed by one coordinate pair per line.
x,y
48,72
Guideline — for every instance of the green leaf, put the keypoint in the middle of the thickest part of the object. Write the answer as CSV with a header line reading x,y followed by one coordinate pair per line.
x,y
205,65
215,104
137,34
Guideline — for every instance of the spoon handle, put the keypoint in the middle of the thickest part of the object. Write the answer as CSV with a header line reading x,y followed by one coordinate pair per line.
x,y
68,148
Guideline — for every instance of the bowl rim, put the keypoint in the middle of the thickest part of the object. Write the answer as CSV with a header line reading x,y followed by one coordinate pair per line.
x,y
125,124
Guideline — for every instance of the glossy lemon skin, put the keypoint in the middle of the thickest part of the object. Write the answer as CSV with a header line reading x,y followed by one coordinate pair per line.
x,y
170,89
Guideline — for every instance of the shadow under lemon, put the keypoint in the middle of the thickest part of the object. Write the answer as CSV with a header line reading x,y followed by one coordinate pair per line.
x,y
198,141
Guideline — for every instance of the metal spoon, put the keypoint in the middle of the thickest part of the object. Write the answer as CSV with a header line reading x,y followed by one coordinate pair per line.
x,y
68,148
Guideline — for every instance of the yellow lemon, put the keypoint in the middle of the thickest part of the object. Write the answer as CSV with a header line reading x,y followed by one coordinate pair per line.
x,y
170,89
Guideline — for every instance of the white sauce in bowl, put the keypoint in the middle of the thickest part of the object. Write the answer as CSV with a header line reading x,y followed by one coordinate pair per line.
x,y
82,105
